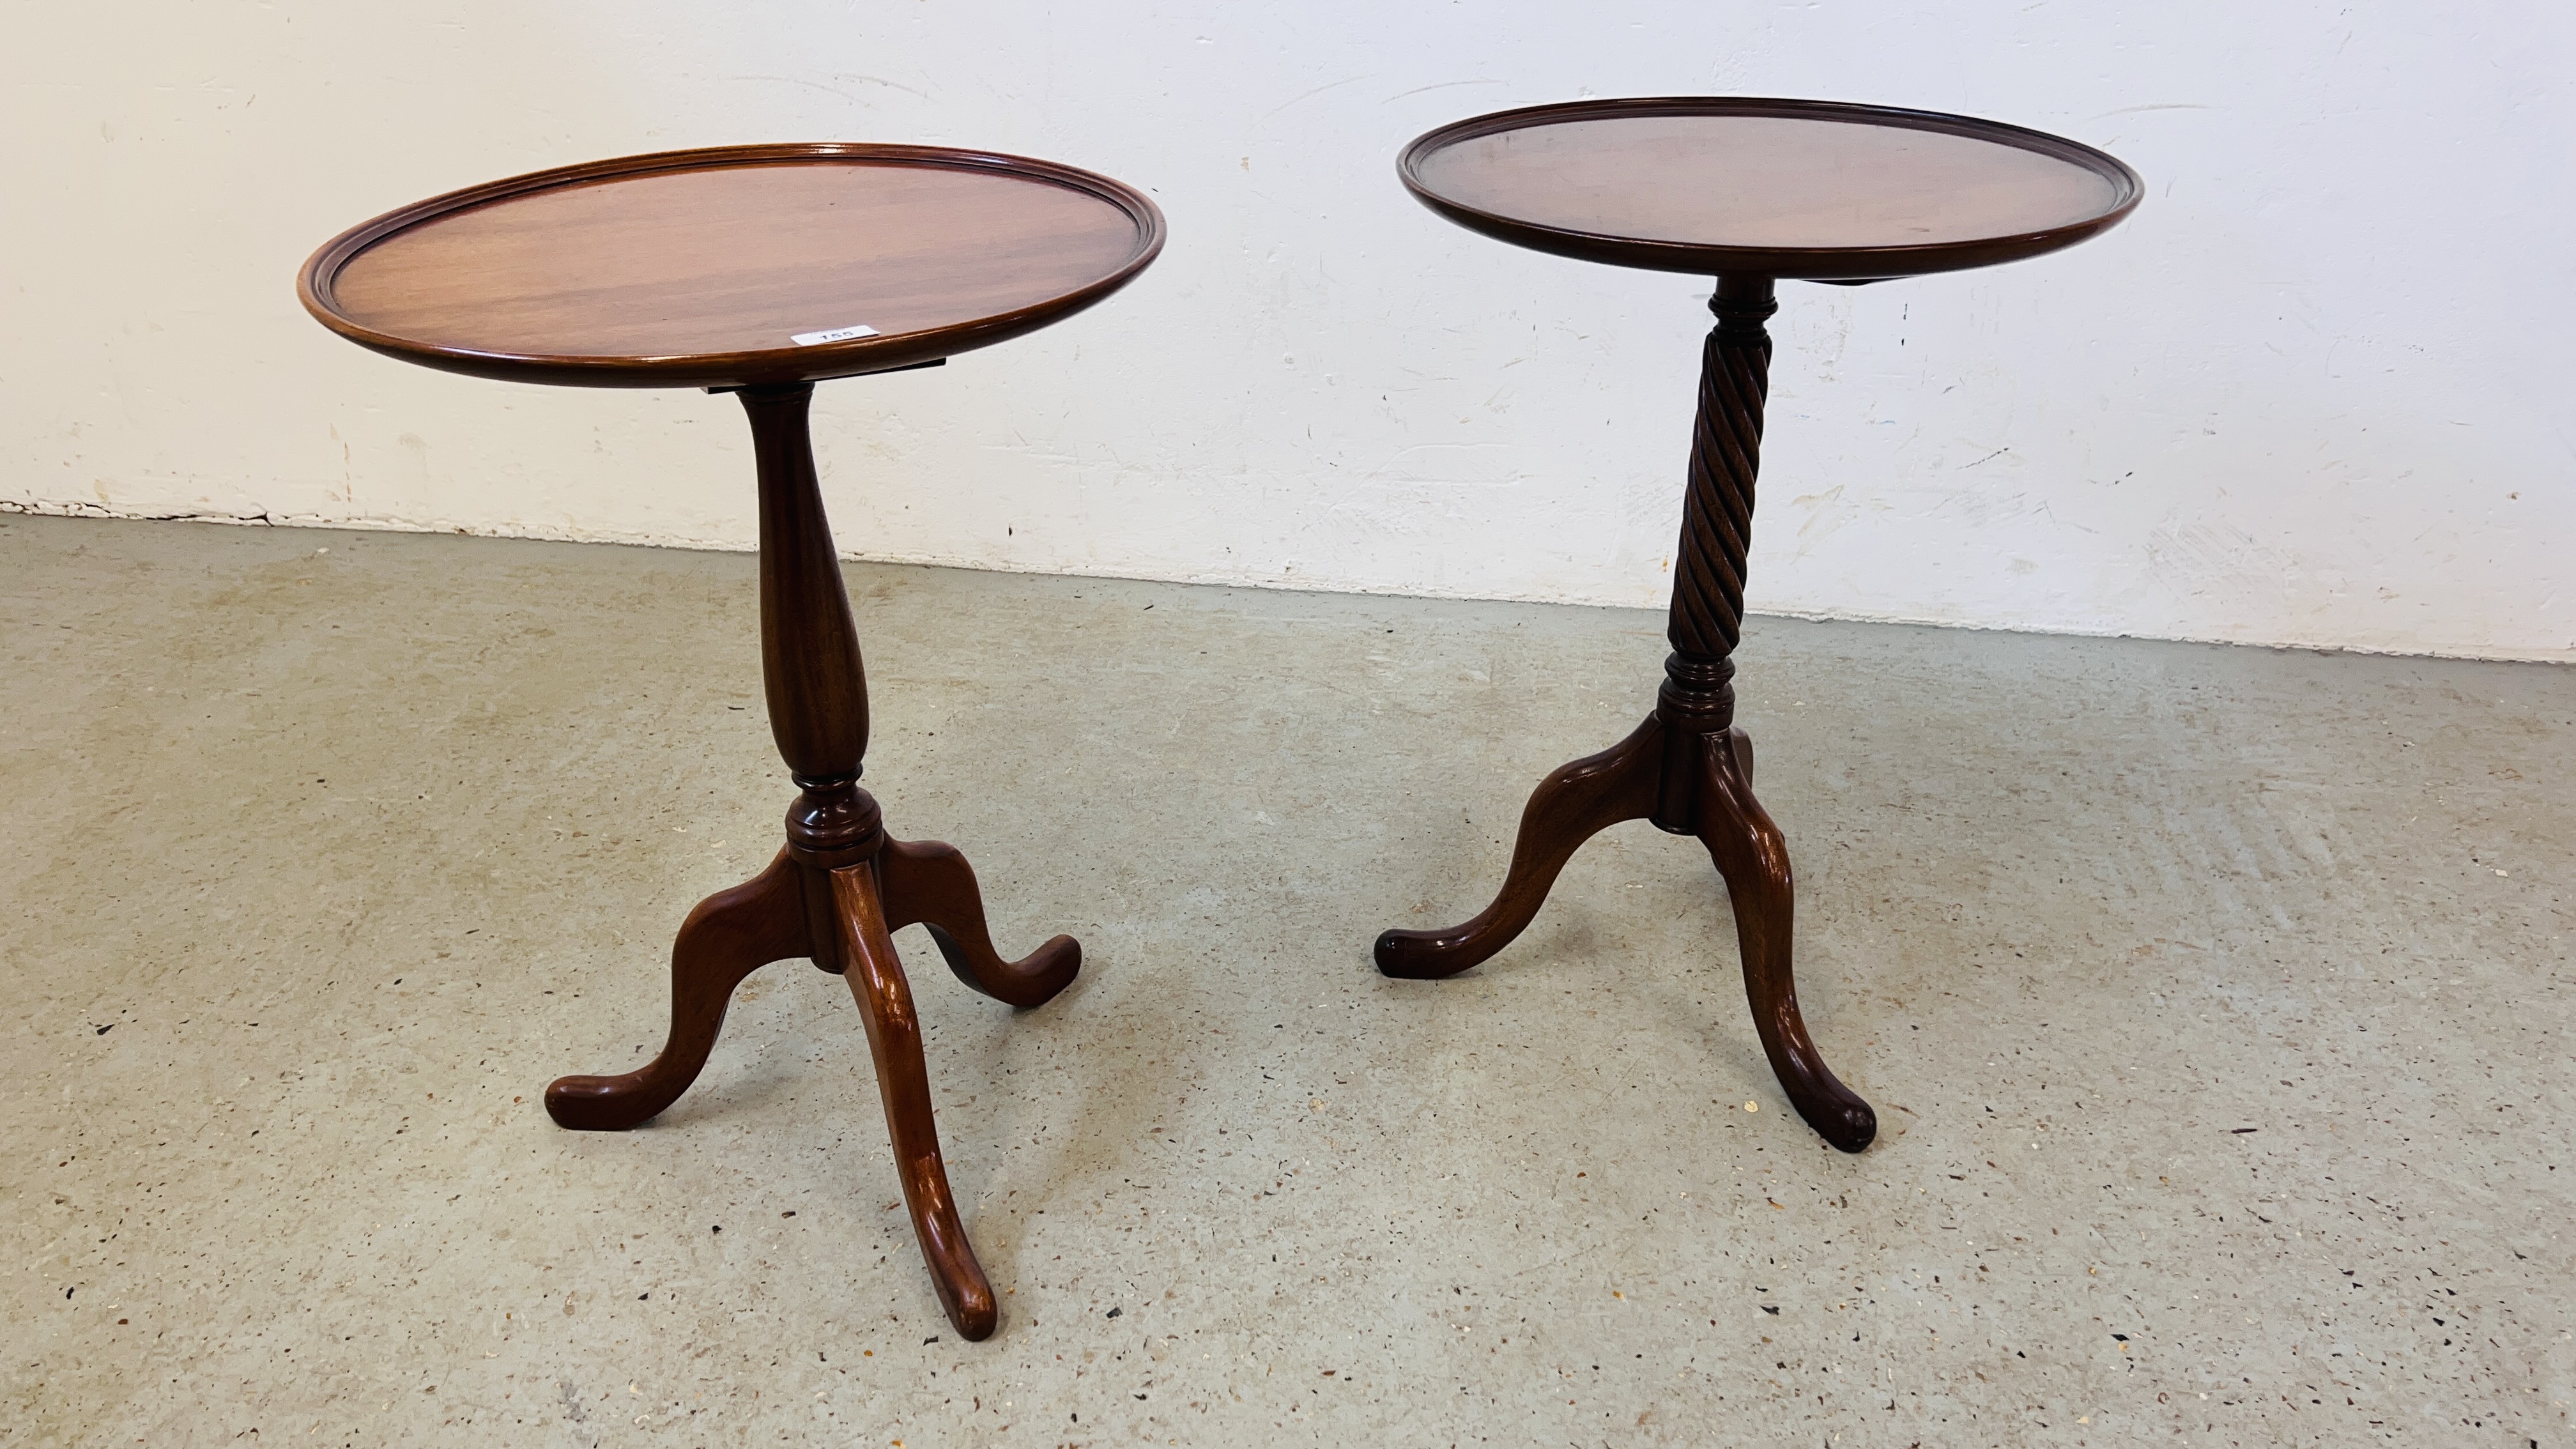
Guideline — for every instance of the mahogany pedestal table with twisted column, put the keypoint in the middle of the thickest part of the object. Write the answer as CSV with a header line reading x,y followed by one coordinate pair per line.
x,y
1747,191
760,270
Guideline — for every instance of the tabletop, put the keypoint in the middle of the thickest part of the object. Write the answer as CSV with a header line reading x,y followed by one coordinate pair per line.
x,y
1758,187
733,265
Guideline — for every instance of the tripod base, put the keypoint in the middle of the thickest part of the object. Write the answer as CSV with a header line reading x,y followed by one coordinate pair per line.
x,y
843,918
1692,783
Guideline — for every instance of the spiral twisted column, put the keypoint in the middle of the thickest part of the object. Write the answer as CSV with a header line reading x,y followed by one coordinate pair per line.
x,y
1698,695
1726,451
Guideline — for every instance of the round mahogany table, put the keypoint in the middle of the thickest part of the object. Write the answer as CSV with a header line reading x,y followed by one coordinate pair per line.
x,y
1746,191
761,270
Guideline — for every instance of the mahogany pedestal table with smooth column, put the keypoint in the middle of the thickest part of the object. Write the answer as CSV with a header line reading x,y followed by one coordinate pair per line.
x,y
1748,192
761,270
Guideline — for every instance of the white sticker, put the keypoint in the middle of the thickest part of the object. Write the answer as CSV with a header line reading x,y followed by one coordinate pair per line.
x,y
837,334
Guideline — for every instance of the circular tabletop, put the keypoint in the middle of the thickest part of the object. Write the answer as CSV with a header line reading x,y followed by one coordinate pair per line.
x,y
1751,187
732,266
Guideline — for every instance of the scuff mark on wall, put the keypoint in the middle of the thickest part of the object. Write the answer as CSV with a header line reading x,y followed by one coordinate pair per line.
x,y
1461,417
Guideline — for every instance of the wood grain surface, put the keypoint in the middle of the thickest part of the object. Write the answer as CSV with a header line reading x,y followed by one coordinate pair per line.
x,y
704,267
1686,768
841,887
1726,185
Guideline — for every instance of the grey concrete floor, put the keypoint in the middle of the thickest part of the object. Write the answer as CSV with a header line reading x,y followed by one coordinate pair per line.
x,y
2217,1004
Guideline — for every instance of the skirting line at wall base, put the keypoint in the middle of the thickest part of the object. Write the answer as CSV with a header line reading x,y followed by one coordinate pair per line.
x,y
38,508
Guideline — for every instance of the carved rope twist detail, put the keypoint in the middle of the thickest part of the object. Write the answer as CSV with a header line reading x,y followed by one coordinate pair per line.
x,y
1717,511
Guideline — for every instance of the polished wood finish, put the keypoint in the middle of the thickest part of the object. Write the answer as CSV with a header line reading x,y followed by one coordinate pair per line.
x,y
1687,768
809,645
730,935
1749,191
698,268
771,918
1627,782
1747,186
842,886
894,1038
930,885
1570,806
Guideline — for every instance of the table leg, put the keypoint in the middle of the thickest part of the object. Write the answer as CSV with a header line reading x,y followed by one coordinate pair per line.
x,y
1569,807
730,935
931,884
842,886
1687,768
876,980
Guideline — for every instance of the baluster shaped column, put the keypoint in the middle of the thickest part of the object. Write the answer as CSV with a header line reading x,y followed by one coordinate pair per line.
x,y
809,645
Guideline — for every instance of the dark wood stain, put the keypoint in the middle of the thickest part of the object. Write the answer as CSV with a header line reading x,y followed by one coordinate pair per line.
x,y
1834,207
841,887
1750,186
695,268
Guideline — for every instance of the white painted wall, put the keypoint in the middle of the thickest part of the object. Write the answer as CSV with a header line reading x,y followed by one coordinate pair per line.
x,y
2316,391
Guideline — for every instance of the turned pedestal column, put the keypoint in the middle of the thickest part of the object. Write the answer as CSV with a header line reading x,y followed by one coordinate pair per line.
x,y
1749,191
841,886
760,270
1687,768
